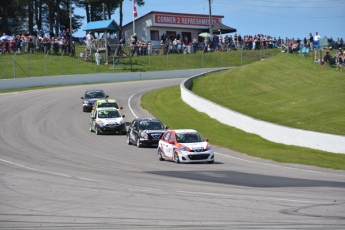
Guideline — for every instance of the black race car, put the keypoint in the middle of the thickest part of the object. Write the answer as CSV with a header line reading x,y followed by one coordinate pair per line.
x,y
145,132
91,96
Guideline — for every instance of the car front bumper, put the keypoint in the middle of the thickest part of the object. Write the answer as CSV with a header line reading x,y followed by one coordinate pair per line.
x,y
189,157
149,142
112,129
87,106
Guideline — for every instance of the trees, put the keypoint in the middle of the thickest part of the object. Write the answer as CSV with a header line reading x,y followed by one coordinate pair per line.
x,y
53,15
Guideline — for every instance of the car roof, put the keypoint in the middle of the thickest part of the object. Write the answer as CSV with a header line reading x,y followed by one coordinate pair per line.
x,y
106,108
93,90
147,119
184,130
106,100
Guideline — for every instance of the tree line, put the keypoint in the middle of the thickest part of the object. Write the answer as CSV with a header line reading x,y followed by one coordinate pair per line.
x,y
54,15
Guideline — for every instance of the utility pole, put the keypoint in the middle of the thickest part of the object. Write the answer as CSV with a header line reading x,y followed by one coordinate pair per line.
x,y
70,21
210,15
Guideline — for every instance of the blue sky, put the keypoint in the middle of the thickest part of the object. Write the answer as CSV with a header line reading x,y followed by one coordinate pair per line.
x,y
284,18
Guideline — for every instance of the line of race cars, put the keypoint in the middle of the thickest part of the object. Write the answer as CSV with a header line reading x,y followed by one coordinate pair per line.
x,y
178,145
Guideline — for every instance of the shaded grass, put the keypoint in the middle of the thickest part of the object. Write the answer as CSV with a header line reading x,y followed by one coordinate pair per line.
x,y
285,89
180,115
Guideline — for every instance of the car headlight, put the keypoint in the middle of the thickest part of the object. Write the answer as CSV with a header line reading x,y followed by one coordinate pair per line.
x,y
144,135
184,148
100,123
86,102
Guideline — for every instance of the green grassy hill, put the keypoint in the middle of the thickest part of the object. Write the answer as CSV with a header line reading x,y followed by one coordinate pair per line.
x,y
285,89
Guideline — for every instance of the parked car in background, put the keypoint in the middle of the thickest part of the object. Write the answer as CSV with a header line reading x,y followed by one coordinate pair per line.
x,y
185,146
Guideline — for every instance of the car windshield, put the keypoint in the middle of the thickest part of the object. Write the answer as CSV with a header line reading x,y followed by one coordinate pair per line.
x,y
94,94
189,137
108,104
150,125
108,114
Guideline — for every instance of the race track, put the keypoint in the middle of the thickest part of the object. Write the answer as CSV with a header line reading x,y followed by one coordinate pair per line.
x,y
55,174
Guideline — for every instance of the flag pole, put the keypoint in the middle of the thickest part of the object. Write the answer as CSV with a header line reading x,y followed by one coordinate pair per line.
x,y
134,9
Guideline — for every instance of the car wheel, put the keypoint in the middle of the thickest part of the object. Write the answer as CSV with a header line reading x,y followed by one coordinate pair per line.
x,y
138,142
129,140
177,160
160,156
210,162
97,131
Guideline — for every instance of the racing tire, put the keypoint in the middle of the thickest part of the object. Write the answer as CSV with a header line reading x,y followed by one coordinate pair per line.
x,y
176,159
128,140
138,142
97,131
160,158
210,162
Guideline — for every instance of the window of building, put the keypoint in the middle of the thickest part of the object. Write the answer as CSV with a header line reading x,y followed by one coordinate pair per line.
x,y
154,34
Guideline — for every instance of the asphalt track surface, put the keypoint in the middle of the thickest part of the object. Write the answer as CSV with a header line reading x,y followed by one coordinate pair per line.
x,y
55,174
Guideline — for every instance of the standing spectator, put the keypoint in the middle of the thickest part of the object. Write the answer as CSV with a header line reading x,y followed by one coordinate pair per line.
x,y
340,59
317,40
89,38
235,39
311,41
305,41
42,33
195,45
240,40
98,57
215,40
163,38
185,40
68,35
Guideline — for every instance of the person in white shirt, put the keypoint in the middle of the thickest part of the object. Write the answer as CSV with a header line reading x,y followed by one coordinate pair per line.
x,y
89,38
317,40
98,57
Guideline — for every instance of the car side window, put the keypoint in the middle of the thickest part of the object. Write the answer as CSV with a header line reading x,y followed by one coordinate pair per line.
x,y
134,124
166,137
172,137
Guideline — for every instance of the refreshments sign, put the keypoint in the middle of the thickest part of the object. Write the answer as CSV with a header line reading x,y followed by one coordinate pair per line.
x,y
183,20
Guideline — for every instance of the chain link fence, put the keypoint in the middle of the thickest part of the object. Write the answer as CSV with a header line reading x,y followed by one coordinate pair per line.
x,y
124,58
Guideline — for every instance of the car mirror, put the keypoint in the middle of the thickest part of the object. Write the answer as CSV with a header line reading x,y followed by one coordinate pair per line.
x,y
166,127
92,117
171,142
82,98
121,107
123,115
107,96
206,139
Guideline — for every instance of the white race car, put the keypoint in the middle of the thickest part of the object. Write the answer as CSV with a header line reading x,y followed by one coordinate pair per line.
x,y
107,120
184,146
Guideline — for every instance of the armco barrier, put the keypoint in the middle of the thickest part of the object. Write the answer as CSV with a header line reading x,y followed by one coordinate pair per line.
x,y
93,78
269,131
